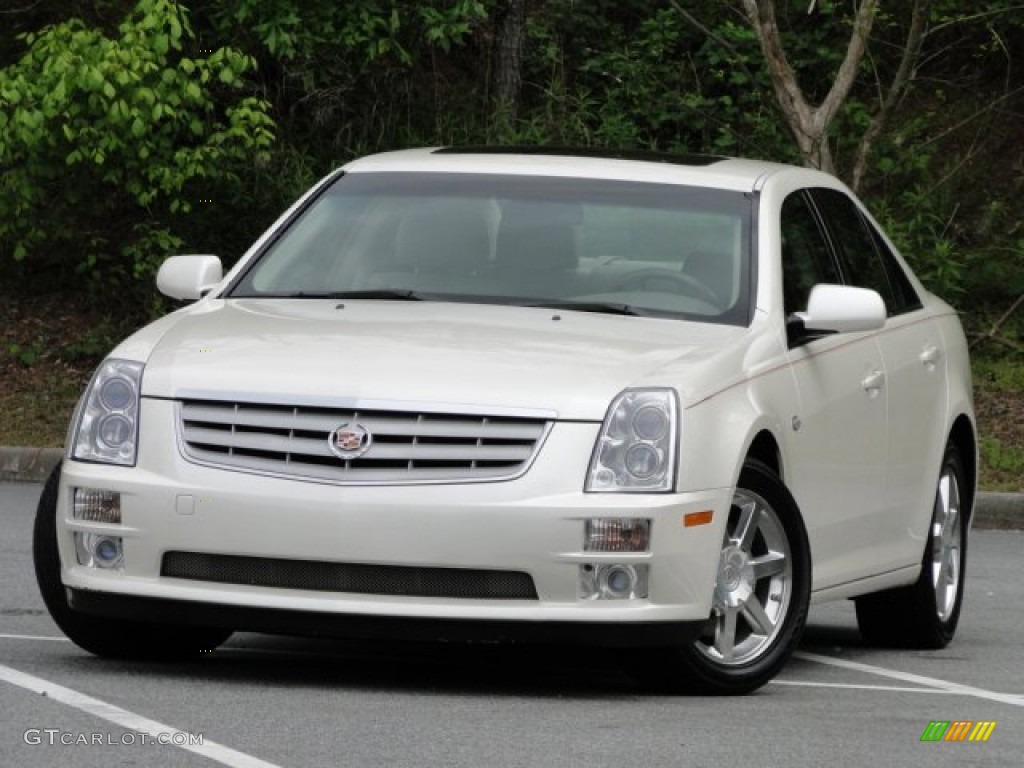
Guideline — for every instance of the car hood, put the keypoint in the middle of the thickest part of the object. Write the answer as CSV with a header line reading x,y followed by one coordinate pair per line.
x,y
431,356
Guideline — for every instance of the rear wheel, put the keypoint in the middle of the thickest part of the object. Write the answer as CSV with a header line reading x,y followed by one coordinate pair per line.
x,y
925,614
761,595
113,638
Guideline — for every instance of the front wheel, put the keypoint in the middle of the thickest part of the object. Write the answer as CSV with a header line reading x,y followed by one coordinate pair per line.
x,y
112,638
926,614
761,595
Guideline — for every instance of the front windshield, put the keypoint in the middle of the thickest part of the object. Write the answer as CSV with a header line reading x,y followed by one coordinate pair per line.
x,y
595,244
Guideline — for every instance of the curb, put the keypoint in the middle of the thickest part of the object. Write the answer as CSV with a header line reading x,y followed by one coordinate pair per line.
x,y
33,465
27,465
999,510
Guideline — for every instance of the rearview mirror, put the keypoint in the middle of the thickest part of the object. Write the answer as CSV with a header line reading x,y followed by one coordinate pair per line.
x,y
189,277
836,309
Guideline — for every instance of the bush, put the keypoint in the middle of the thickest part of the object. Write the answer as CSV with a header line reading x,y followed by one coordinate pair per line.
x,y
104,138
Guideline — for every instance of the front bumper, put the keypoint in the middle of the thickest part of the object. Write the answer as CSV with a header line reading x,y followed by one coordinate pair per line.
x,y
533,524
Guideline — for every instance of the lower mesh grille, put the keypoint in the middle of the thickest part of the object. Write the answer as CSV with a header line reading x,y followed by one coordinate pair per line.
x,y
355,578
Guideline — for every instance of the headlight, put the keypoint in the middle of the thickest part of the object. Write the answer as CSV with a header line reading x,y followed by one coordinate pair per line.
x,y
636,450
108,419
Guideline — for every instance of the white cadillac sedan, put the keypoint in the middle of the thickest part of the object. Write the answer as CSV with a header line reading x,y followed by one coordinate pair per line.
x,y
647,402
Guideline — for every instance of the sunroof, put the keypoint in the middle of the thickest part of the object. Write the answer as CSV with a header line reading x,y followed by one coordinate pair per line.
x,y
603,153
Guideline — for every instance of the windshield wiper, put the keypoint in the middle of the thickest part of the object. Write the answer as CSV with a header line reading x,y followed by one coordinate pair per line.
x,y
601,307
383,294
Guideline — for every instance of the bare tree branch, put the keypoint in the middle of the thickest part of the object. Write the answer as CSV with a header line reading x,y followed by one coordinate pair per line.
x,y
974,116
997,325
975,17
26,9
848,69
897,89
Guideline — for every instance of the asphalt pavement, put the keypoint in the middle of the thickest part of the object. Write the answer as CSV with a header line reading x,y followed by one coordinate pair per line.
x,y
261,701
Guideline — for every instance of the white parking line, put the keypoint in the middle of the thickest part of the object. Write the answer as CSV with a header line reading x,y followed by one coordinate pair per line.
x,y
34,637
862,687
907,677
122,717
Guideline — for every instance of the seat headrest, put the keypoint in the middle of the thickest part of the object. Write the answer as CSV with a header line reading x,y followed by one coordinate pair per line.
x,y
443,234
538,235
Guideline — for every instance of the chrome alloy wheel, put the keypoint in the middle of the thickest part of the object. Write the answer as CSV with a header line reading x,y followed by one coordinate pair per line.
x,y
946,543
754,584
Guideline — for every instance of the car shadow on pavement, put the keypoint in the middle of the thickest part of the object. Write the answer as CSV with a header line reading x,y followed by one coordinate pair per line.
x,y
497,670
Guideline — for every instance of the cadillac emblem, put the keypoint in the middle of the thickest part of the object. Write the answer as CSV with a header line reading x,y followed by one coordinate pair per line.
x,y
350,441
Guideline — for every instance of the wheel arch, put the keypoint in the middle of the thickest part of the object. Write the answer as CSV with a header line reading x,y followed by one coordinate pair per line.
x,y
962,435
765,448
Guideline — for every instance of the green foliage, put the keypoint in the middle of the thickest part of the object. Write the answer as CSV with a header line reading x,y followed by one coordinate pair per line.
x,y
1002,460
91,347
919,222
358,33
351,76
627,75
101,138
26,355
448,27
292,30
1000,375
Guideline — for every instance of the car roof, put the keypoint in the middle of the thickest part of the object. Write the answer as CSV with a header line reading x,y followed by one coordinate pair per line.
x,y
697,170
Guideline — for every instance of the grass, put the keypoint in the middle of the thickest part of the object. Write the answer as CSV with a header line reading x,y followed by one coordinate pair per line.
x,y
999,400
49,348
38,415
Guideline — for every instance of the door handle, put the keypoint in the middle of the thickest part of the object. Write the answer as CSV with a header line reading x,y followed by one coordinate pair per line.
x,y
873,382
930,356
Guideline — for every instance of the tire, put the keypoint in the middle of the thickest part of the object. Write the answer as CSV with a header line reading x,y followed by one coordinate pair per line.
x,y
926,613
107,637
762,592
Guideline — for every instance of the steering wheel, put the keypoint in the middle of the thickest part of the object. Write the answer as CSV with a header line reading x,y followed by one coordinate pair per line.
x,y
647,279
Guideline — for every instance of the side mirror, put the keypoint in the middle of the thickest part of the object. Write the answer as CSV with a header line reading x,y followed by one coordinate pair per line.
x,y
836,309
189,277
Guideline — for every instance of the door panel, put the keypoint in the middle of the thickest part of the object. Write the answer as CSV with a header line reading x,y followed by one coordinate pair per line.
x,y
837,446
838,473
916,365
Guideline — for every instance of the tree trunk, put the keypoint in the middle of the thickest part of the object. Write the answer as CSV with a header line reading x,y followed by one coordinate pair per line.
x,y
508,78
809,125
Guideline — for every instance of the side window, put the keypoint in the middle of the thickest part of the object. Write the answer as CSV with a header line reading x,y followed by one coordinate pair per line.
x,y
907,299
806,258
854,244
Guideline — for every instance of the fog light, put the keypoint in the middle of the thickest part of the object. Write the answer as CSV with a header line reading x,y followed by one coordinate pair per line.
x,y
613,581
97,506
98,550
617,534
617,581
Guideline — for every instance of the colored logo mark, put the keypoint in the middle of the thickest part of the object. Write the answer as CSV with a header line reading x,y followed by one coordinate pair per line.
x,y
958,730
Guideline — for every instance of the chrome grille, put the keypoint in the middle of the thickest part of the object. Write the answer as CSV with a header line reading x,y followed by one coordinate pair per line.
x,y
356,578
407,447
